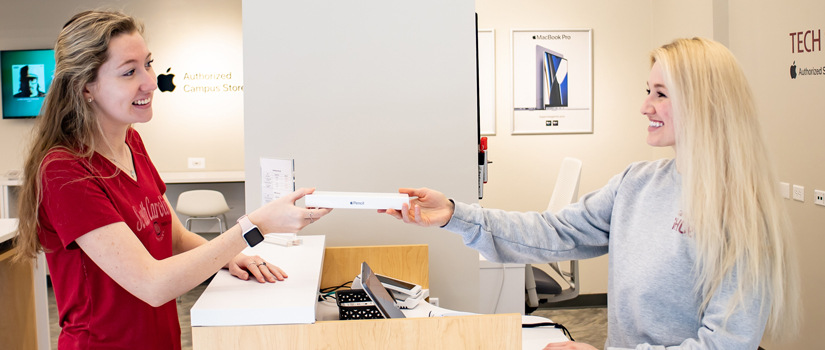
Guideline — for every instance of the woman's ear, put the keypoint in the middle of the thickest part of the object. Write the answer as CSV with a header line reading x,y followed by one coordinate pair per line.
x,y
87,91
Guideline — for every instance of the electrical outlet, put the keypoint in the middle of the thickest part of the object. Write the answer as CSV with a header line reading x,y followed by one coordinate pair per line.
x,y
197,163
785,190
819,197
799,193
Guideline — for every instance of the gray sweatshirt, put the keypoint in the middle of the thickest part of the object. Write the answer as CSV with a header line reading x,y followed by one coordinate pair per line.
x,y
651,297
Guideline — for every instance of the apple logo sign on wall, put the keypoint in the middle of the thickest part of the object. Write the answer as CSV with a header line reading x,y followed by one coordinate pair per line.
x,y
165,82
793,70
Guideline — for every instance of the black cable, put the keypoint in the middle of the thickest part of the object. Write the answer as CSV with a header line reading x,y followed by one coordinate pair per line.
x,y
550,324
329,292
332,289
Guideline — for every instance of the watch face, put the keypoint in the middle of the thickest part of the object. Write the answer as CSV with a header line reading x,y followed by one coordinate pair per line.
x,y
253,237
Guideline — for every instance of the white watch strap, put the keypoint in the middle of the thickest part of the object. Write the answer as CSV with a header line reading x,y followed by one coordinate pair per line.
x,y
246,225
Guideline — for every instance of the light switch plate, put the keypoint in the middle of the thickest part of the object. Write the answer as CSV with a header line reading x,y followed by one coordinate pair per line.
x,y
799,193
785,190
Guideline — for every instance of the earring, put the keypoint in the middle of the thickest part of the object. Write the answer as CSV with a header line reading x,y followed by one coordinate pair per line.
x,y
90,100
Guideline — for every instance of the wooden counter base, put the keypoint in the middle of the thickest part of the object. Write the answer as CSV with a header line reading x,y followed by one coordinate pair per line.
x,y
341,264
18,328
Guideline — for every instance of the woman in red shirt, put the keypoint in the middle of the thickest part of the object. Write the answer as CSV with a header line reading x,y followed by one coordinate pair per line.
x,y
93,200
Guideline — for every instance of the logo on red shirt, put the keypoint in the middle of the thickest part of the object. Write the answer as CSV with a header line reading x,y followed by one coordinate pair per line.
x,y
148,211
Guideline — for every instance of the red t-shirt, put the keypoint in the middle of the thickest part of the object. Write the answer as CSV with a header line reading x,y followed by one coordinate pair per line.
x,y
80,195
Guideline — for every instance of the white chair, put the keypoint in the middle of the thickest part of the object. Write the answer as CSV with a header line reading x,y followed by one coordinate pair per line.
x,y
540,287
203,205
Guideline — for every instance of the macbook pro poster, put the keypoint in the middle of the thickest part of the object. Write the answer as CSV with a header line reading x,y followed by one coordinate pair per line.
x,y
552,81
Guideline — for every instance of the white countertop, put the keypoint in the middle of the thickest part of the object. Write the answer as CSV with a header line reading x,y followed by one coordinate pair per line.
x,y
531,338
174,177
203,176
4,181
229,301
487,264
8,229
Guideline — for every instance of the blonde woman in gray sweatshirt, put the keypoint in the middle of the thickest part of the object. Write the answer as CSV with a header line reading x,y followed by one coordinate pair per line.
x,y
699,244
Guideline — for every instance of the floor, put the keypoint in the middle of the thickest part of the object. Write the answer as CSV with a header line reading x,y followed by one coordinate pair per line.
x,y
588,325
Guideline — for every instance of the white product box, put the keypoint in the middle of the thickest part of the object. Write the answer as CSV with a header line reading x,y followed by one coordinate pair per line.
x,y
356,200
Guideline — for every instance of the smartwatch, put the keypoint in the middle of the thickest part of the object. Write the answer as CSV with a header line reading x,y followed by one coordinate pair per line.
x,y
251,234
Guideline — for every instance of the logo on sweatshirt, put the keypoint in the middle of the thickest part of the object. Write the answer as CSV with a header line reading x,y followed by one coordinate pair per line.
x,y
680,226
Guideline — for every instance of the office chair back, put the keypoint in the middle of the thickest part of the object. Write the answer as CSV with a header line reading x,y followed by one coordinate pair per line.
x,y
203,204
566,190
540,287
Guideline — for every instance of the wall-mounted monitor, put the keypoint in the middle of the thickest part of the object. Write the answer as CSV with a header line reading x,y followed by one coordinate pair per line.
x,y
25,77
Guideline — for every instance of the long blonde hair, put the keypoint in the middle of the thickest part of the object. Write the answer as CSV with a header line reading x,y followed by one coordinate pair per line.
x,y
730,195
66,119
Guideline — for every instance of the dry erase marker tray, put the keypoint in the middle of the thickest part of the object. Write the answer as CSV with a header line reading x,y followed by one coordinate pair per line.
x,y
356,200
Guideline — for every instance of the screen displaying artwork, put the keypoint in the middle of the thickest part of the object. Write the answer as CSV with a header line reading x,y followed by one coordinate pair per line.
x,y
25,78
551,78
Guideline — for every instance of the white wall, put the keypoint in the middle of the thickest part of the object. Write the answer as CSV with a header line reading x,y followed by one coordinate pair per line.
x,y
203,117
792,116
524,168
369,96
188,36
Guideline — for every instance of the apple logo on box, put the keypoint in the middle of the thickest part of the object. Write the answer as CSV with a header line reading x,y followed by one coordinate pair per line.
x,y
165,82
793,70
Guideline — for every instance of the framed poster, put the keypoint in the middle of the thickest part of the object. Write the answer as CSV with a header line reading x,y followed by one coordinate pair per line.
x,y
552,81
487,81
